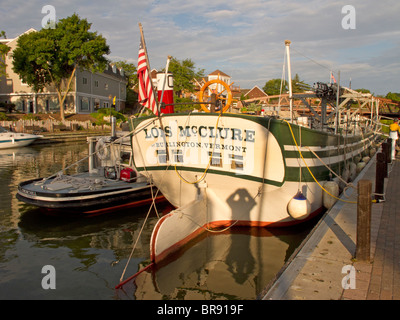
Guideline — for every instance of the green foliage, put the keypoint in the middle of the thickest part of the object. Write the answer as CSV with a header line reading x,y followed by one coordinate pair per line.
x,y
251,108
362,90
131,73
385,129
393,96
185,108
29,116
105,112
243,97
3,116
184,72
4,49
51,56
299,85
273,87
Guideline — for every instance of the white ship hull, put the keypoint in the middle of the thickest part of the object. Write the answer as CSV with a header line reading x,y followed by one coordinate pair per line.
x,y
235,170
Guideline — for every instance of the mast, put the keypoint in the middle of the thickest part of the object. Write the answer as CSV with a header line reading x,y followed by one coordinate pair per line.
x,y
337,105
287,44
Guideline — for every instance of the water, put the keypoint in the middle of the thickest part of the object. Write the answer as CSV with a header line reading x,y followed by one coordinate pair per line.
x,y
90,254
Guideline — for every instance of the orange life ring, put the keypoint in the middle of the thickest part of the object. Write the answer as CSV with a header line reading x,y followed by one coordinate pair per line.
x,y
221,96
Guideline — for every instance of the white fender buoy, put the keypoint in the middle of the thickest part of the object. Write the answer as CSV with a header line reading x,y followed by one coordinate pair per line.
x,y
333,188
353,171
345,177
346,174
360,166
101,149
298,207
366,159
372,152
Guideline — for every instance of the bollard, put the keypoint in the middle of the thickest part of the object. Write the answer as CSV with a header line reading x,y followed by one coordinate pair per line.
x,y
386,147
380,174
363,246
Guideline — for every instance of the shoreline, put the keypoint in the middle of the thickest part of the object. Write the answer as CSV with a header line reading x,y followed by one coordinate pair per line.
x,y
64,137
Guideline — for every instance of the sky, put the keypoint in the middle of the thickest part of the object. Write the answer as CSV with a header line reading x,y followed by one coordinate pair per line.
x,y
242,38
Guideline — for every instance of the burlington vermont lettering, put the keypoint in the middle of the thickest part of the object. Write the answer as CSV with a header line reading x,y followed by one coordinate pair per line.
x,y
195,144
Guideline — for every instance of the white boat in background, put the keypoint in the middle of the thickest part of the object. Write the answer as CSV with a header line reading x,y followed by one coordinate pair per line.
x,y
10,139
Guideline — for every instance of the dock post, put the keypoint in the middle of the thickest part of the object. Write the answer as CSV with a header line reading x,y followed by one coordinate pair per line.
x,y
380,174
386,149
92,142
364,202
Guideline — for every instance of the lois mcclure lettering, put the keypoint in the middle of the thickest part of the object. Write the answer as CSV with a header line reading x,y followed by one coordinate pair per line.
x,y
203,132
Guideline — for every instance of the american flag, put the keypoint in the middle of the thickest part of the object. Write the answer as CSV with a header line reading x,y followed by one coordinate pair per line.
x,y
146,94
333,77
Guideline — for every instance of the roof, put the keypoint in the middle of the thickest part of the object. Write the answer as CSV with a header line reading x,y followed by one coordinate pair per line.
x,y
153,74
216,72
255,92
8,41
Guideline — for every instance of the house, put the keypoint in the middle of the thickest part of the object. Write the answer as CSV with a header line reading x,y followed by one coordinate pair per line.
x,y
89,92
219,75
253,93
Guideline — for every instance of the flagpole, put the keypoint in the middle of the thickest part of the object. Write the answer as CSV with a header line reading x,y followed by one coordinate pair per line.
x,y
154,91
143,42
287,44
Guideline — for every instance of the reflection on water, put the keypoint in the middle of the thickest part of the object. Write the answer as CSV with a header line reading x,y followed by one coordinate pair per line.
x,y
235,264
89,254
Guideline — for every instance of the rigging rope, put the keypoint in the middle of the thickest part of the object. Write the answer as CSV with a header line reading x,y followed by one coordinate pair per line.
x,y
309,170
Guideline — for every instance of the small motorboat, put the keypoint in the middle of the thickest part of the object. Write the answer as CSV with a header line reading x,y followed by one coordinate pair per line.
x,y
87,193
109,185
15,140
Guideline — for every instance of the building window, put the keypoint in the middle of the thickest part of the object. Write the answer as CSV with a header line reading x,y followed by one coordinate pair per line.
x,y
106,86
105,104
84,80
96,83
85,104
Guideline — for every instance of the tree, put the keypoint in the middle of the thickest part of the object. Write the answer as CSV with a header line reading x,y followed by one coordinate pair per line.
x,y
299,85
273,87
4,49
131,72
51,56
362,90
184,73
393,96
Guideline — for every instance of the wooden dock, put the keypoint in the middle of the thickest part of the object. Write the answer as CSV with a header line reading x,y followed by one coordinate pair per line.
x,y
325,266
